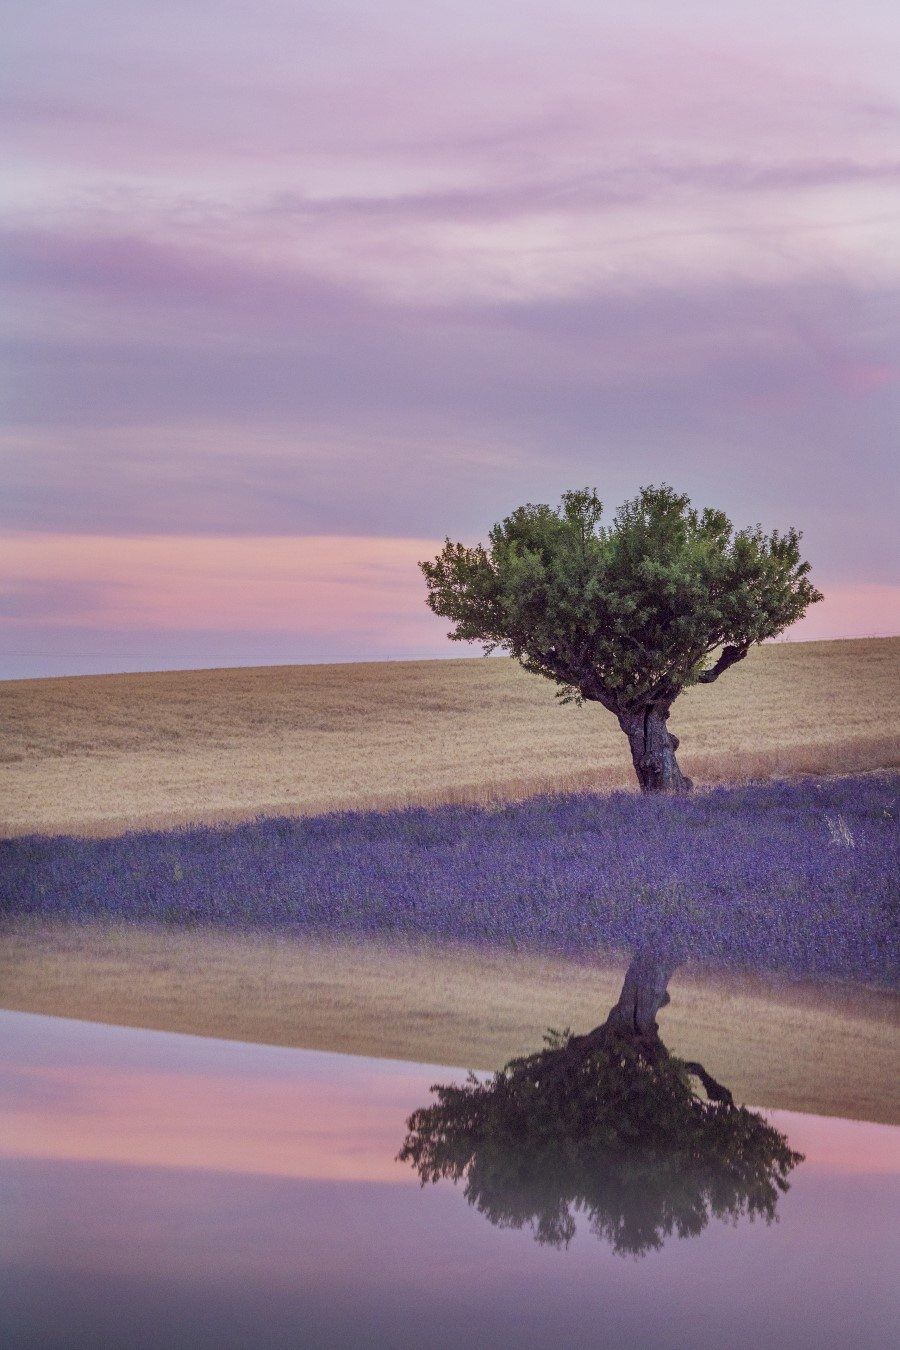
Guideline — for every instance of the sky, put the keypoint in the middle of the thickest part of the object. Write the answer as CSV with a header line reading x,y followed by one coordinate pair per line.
x,y
291,292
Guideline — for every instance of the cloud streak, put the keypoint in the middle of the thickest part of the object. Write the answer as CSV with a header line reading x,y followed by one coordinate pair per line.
x,y
107,602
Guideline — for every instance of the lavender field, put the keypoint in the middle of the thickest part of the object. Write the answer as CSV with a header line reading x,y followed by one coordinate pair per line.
x,y
800,877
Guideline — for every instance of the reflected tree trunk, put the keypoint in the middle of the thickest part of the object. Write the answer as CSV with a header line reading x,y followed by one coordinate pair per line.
x,y
645,991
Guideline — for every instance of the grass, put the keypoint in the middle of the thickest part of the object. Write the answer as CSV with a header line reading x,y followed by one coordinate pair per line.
x,y
830,1050
458,934
100,755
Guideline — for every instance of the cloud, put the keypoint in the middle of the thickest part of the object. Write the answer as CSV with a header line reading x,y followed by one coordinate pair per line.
x,y
332,271
317,585
188,391
498,80
121,301
30,599
636,183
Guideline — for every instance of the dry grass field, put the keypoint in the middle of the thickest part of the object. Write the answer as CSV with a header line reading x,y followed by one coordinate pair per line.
x,y
830,1051
107,753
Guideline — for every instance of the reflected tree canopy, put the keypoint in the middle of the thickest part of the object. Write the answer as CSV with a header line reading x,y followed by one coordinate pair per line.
x,y
609,1125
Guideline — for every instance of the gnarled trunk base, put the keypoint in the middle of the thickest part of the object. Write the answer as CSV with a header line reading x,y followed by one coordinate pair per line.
x,y
653,749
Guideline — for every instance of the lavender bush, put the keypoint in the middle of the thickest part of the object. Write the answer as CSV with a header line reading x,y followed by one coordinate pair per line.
x,y
794,877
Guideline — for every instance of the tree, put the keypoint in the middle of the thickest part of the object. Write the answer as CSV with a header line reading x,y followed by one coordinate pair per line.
x,y
626,615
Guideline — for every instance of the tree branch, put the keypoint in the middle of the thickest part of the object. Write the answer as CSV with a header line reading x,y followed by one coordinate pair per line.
x,y
714,1091
730,656
593,691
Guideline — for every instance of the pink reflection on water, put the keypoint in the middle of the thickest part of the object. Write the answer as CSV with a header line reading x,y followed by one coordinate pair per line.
x,y
91,1093
80,1092
172,1190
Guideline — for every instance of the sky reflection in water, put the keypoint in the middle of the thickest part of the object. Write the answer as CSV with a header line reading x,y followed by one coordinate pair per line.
x,y
161,1189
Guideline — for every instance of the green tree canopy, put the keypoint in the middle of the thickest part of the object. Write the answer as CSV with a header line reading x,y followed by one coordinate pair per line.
x,y
627,614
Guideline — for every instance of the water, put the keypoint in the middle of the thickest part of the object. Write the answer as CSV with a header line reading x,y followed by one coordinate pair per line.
x,y
161,1190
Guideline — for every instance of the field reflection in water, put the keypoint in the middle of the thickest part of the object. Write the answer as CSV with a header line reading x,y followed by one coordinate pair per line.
x,y
162,1189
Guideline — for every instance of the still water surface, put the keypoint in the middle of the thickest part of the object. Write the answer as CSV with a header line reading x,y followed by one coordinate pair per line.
x,y
162,1190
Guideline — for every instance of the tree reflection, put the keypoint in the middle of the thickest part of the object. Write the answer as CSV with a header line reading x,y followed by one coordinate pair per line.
x,y
610,1125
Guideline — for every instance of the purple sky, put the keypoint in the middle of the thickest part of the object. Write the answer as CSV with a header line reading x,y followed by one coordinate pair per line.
x,y
293,290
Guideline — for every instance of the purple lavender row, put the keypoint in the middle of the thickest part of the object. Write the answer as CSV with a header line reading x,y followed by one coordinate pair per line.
x,y
797,877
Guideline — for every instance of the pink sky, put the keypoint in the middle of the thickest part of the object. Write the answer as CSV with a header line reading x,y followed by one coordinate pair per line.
x,y
292,294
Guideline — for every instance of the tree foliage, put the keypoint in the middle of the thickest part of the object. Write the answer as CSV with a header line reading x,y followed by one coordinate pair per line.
x,y
626,614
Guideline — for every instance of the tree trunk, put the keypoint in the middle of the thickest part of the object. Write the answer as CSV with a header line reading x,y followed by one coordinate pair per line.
x,y
653,749
644,993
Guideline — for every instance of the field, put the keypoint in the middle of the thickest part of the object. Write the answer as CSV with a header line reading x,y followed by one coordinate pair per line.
x,y
459,930
459,933
103,754
794,878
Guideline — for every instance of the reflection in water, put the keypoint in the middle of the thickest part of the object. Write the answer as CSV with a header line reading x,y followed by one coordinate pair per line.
x,y
623,1139
609,1124
158,1189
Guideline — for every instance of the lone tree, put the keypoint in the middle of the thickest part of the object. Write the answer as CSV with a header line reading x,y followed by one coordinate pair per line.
x,y
626,615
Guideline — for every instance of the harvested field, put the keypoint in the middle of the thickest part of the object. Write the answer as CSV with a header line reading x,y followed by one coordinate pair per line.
x,y
102,754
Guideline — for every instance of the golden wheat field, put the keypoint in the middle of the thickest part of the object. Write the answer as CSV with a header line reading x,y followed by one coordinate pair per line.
x,y
99,754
